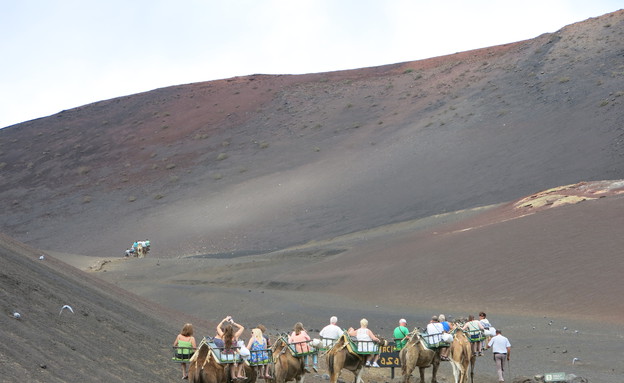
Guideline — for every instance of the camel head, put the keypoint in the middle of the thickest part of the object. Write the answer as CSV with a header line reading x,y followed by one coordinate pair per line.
x,y
382,341
280,346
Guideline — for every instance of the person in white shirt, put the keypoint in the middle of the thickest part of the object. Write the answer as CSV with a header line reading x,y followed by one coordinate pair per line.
x,y
330,333
366,342
501,349
434,330
488,331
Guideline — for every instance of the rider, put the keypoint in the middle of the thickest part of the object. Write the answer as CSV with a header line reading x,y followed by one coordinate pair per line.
x,y
185,346
434,330
474,328
486,325
366,339
447,328
400,334
330,333
258,346
225,331
300,338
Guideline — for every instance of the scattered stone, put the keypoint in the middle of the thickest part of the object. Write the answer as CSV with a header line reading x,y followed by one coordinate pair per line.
x,y
17,315
523,379
43,366
571,378
325,376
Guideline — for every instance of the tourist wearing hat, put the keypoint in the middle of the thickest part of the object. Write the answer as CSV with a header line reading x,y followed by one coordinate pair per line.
x,y
400,334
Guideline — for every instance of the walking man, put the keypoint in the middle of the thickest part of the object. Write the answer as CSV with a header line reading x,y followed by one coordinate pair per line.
x,y
501,349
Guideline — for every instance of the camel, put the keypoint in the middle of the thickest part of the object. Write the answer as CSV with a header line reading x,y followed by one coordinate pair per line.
x,y
461,356
141,251
204,368
287,366
416,354
339,357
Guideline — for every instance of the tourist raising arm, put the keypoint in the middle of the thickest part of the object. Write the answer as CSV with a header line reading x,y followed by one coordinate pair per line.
x,y
225,331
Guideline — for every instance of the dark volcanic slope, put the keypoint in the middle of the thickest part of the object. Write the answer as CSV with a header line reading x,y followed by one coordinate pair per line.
x,y
105,340
261,162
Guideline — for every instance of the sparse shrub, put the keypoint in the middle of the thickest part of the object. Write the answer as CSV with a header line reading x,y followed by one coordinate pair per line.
x,y
83,170
604,103
217,176
408,71
170,166
87,199
132,198
154,167
242,170
164,127
264,145
2,165
225,144
317,149
222,156
563,80
159,196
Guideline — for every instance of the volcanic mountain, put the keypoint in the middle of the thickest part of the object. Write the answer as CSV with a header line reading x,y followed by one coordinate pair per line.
x,y
489,179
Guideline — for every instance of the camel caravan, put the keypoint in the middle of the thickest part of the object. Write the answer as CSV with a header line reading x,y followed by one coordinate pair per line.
x,y
287,359
138,249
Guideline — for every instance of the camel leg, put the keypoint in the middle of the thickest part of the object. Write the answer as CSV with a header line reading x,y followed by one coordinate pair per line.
x,y
335,367
422,374
434,371
407,373
456,370
358,375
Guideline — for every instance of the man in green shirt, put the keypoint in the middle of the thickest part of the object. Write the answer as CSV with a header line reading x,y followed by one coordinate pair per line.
x,y
400,334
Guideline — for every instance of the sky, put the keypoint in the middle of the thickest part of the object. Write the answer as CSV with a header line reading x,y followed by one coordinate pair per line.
x,y
62,54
